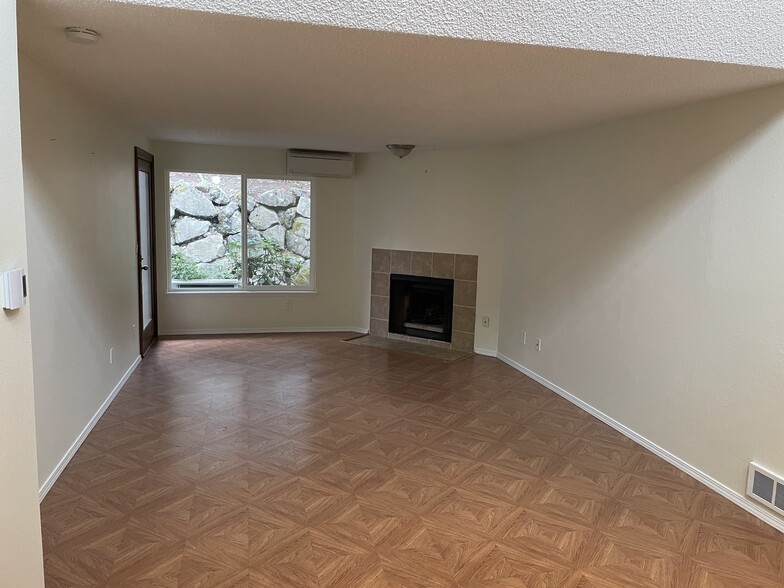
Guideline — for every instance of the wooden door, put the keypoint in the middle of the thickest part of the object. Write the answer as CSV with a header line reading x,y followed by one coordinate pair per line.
x,y
145,249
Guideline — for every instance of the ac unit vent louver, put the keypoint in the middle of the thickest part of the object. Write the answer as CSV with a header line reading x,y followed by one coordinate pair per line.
x,y
319,164
766,487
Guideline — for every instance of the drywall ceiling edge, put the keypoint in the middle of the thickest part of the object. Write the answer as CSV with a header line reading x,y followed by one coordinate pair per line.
x,y
726,31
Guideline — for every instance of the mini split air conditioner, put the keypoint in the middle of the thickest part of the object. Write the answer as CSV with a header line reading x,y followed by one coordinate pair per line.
x,y
319,164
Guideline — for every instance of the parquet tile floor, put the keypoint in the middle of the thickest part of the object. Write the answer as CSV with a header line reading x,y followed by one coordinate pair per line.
x,y
300,461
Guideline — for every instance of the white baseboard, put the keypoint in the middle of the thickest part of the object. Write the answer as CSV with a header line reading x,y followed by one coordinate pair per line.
x,y
487,352
725,491
47,485
261,331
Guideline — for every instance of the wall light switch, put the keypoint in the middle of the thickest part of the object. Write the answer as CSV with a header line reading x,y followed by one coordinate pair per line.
x,y
14,289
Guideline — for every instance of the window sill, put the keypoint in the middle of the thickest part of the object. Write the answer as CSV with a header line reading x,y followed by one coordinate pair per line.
x,y
235,291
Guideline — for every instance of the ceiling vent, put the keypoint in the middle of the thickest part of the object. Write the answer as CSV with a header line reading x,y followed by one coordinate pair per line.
x,y
319,164
766,487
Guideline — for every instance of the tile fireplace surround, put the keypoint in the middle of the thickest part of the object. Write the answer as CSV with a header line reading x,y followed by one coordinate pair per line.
x,y
461,268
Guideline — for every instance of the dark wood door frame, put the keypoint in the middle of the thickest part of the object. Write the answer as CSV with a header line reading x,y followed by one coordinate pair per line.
x,y
144,162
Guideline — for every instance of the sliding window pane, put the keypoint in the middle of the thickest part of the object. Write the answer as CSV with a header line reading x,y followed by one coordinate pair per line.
x,y
279,231
205,214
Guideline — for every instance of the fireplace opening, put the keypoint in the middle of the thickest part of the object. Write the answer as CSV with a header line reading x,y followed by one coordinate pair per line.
x,y
421,307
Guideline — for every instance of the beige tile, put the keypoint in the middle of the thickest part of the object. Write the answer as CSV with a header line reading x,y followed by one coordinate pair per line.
x,y
418,340
421,264
464,319
465,293
400,262
380,261
379,328
398,337
443,265
462,341
439,344
379,307
466,267
379,284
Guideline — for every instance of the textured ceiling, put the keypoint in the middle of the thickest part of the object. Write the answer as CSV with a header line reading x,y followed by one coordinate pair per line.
x,y
200,77
727,31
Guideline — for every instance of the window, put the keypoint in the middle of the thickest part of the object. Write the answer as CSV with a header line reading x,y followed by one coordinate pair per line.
x,y
236,232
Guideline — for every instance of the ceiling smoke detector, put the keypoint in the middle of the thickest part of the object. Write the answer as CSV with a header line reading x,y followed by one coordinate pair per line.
x,y
82,35
399,150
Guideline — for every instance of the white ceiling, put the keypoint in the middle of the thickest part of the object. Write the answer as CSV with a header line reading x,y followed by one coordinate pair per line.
x,y
200,77
746,32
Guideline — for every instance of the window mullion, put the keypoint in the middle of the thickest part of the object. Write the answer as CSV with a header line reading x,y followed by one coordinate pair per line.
x,y
244,233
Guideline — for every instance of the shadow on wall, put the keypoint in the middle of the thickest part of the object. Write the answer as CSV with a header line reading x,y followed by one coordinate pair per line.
x,y
598,201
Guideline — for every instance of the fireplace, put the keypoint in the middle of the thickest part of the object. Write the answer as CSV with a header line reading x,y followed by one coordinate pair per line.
x,y
459,272
421,306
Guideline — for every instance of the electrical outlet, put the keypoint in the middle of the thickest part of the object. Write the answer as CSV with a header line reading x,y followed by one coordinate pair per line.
x,y
289,304
538,344
486,321
111,355
523,337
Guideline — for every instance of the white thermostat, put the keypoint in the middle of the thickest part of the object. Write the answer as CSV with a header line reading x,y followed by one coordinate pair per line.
x,y
14,289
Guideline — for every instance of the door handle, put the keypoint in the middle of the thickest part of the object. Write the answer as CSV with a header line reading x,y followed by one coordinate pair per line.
x,y
145,267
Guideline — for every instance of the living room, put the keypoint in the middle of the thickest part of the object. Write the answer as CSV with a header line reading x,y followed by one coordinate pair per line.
x,y
624,213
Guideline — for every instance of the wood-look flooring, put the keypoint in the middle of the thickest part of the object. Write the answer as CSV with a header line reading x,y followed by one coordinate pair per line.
x,y
301,461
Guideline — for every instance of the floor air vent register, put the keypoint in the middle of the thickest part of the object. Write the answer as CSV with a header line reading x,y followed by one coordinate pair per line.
x,y
766,487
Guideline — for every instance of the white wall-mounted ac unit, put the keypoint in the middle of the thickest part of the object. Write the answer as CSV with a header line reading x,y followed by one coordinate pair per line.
x,y
319,164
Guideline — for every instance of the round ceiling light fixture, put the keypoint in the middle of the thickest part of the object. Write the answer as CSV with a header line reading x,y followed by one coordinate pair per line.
x,y
82,35
399,150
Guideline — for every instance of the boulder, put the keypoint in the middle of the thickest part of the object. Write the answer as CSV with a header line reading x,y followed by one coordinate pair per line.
x,y
262,218
295,258
220,269
231,225
301,227
297,244
205,250
303,206
277,198
189,201
187,228
286,217
218,196
229,209
254,242
276,234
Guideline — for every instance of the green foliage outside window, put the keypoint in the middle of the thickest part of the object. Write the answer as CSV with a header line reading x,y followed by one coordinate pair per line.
x,y
268,264
183,268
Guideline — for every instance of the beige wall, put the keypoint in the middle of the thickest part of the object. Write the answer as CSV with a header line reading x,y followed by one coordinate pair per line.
x,y
20,529
329,308
647,254
80,201
432,201
445,201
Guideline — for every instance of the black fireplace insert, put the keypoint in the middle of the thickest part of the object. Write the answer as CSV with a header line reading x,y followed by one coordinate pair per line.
x,y
421,307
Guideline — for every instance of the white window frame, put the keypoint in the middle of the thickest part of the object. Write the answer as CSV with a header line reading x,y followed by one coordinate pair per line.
x,y
244,287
